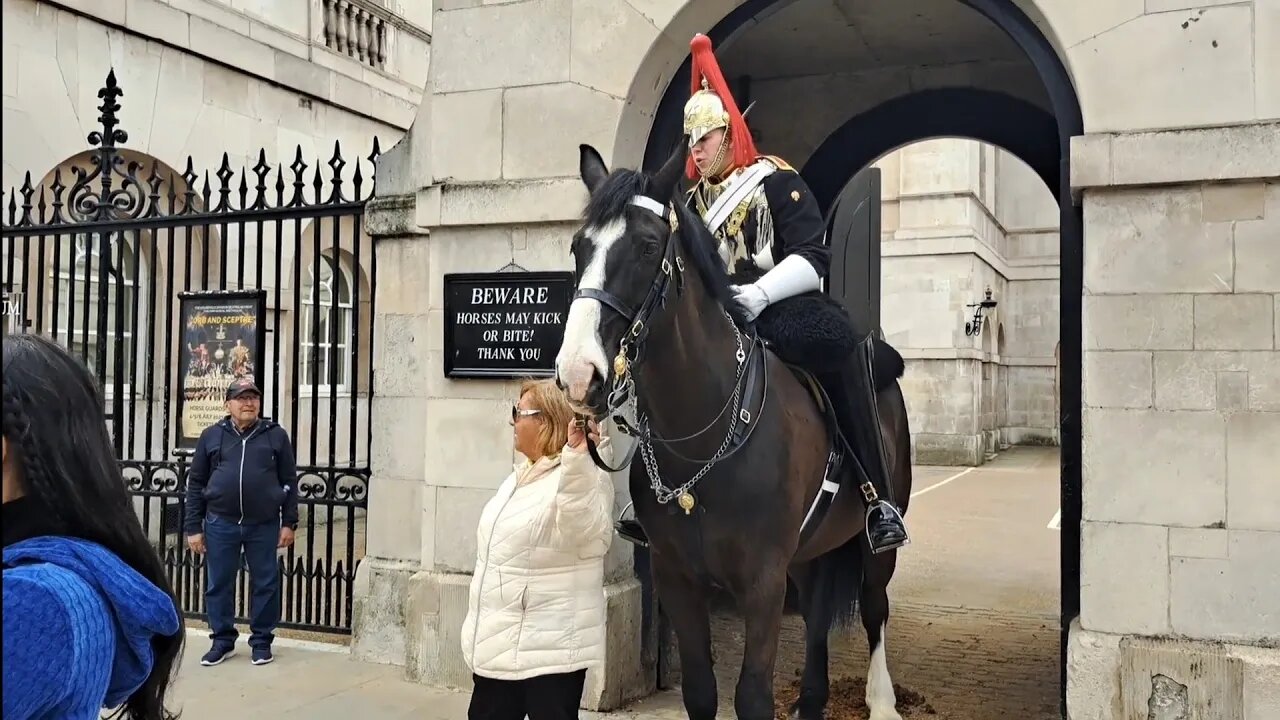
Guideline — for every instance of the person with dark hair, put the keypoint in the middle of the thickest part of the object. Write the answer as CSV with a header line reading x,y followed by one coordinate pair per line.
x,y
242,497
90,621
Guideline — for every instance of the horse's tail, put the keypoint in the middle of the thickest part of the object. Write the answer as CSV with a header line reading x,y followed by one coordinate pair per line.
x,y
837,583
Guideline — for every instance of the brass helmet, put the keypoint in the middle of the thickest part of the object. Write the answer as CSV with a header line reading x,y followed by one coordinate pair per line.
x,y
711,106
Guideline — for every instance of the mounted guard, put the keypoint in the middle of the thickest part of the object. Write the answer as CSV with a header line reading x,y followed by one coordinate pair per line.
x,y
771,237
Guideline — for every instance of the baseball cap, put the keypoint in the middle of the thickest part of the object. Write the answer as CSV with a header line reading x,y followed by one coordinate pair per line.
x,y
240,386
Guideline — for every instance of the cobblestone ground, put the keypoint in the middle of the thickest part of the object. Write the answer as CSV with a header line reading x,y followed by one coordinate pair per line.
x,y
967,664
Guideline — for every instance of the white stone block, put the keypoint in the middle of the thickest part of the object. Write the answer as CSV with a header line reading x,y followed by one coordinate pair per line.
x,y
457,514
1234,322
533,46
577,114
1266,67
512,202
1124,561
1210,543
1192,381
399,436
1091,160
1234,201
302,75
1118,379
394,533
466,143
1231,600
439,386
152,19
1076,22
400,352
459,250
1156,467
610,40
1093,674
234,49
1124,80
405,268
1245,152
1173,678
1253,471
1257,245
1138,322
1154,241
469,443
1261,682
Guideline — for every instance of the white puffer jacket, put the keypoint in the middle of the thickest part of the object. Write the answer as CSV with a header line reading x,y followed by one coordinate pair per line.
x,y
537,603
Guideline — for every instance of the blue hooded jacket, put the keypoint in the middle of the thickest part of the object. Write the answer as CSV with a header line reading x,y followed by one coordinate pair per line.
x,y
78,624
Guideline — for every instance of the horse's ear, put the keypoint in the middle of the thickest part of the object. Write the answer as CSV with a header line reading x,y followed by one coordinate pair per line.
x,y
592,167
666,178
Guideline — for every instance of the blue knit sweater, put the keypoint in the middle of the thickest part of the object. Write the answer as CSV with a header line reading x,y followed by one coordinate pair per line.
x,y
78,624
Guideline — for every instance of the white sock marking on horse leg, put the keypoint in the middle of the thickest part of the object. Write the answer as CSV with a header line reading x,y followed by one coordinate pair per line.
x,y
582,352
880,696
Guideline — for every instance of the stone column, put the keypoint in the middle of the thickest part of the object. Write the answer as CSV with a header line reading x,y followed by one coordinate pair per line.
x,y
939,227
488,176
1181,509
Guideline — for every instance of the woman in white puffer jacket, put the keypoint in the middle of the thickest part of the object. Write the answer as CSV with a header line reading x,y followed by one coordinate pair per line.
x,y
535,620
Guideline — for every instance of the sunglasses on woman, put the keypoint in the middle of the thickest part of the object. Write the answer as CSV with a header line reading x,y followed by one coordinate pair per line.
x,y
517,413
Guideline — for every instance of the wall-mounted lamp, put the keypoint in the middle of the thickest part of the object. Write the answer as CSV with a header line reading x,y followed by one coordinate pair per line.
x,y
974,326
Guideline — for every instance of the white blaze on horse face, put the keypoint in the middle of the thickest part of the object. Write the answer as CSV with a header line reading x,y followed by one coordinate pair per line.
x,y
880,696
582,352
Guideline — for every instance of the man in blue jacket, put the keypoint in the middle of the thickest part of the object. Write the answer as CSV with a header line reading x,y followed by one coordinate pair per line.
x,y
242,496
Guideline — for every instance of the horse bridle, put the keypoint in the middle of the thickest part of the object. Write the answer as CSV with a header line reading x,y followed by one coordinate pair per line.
x,y
622,384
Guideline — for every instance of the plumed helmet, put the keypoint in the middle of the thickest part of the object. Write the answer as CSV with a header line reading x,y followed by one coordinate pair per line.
x,y
711,106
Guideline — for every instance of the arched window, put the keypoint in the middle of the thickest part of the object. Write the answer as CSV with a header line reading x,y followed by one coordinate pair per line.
x,y
77,296
327,317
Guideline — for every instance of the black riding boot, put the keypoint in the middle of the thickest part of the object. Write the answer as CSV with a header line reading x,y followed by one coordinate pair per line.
x,y
853,396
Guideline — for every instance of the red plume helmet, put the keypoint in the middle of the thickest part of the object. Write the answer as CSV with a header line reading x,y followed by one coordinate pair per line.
x,y
711,106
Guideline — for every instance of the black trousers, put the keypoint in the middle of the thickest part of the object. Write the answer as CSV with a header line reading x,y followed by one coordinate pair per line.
x,y
546,697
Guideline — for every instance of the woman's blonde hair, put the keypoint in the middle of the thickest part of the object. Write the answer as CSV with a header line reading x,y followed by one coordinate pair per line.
x,y
553,430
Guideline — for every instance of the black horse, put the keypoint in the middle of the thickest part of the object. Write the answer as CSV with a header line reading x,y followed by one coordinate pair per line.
x,y
735,446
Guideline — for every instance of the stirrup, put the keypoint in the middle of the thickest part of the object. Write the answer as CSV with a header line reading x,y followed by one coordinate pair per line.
x,y
891,513
630,530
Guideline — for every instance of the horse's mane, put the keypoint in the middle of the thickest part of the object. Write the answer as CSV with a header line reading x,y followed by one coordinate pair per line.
x,y
610,201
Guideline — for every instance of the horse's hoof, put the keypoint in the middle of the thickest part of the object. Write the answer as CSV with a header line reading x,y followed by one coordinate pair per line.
x,y
885,714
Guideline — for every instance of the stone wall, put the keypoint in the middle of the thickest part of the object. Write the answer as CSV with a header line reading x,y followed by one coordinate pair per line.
x,y
1182,414
200,79
1179,429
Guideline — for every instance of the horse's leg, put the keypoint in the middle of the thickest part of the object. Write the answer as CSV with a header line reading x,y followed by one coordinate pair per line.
x,y
685,604
881,698
815,686
762,600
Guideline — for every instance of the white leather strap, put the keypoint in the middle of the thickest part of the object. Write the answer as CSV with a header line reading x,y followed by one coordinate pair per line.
x,y
739,188
651,205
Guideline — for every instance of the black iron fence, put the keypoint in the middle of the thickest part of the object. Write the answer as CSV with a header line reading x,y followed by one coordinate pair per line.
x,y
96,253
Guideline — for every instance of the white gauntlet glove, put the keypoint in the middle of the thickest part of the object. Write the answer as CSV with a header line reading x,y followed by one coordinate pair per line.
x,y
793,276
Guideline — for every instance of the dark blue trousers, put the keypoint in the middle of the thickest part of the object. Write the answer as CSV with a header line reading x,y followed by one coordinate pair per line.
x,y
225,540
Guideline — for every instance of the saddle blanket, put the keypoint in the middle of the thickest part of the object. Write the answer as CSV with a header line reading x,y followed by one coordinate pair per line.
x,y
814,331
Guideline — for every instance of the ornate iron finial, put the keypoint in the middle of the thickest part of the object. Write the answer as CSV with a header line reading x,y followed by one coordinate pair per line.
x,y
109,136
108,202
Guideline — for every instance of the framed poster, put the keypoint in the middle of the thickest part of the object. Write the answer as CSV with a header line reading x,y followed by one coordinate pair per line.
x,y
223,338
504,324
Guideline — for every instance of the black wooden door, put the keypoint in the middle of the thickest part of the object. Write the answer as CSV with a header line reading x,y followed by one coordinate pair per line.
x,y
854,235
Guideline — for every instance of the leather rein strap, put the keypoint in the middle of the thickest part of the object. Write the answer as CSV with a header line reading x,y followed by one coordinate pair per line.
x,y
753,379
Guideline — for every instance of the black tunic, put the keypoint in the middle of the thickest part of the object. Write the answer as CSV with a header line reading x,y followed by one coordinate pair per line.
x,y
780,214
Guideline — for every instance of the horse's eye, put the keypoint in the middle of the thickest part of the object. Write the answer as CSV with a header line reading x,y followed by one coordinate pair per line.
x,y
651,248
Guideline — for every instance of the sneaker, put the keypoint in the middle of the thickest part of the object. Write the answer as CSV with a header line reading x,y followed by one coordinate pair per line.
x,y
262,655
217,654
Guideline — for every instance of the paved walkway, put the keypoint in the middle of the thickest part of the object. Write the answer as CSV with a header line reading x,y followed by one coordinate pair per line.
x,y
974,629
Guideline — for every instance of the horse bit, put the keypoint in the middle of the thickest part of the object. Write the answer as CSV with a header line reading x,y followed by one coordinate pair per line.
x,y
623,385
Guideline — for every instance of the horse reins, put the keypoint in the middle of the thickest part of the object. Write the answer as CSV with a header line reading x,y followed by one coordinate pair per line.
x,y
630,355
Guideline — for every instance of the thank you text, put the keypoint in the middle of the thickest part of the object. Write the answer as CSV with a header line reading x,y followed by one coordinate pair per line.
x,y
505,324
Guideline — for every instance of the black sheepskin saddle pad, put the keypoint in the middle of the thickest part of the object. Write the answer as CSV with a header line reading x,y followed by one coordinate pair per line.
x,y
816,332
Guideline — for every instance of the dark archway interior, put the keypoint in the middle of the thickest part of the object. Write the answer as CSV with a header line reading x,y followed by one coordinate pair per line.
x,y
1038,137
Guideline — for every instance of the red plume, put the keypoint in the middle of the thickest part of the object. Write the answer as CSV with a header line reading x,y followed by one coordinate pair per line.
x,y
705,65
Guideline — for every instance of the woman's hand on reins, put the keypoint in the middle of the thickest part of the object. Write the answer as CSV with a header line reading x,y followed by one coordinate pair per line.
x,y
577,436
